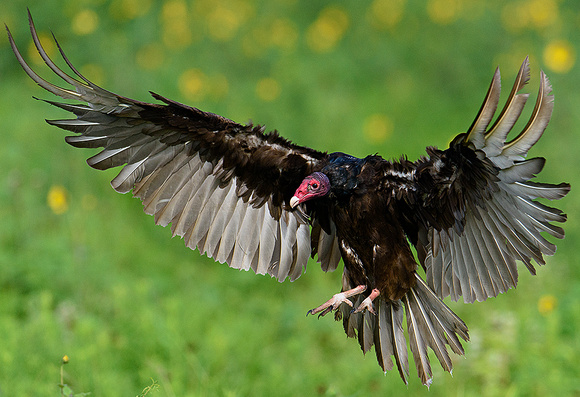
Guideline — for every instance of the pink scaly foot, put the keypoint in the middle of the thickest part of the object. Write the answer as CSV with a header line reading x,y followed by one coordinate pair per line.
x,y
334,302
368,302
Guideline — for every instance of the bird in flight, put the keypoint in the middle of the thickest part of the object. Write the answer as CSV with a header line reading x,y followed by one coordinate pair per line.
x,y
254,200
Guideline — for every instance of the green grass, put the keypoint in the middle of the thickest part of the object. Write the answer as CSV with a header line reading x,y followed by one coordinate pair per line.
x,y
133,308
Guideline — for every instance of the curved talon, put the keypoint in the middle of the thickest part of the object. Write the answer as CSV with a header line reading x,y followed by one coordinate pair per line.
x,y
329,309
334,302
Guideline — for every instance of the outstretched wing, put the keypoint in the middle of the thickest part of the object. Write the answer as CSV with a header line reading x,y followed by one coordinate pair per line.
x,y
224,187
474,209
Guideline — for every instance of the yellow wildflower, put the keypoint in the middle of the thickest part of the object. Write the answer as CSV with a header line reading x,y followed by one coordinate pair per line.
x,y
547,304
57,199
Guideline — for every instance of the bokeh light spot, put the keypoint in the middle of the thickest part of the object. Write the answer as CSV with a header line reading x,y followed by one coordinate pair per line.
x,y
547,304
538,14
174,9
443,12
327,30
150,57
176,31
386,14
378,128
515,17
129,9
85,22
223,23
268,89
284,33
256,42
543,13
57,199
193,84
559,56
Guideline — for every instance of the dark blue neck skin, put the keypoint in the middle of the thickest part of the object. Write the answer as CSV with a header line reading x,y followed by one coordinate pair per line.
x,y
342,171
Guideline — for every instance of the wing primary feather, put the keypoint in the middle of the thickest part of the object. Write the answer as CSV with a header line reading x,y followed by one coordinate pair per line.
x,y
46,58
532,132
61,92
475,133
495,138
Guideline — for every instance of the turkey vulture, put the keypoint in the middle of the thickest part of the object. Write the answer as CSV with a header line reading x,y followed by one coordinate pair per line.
x,y
257,201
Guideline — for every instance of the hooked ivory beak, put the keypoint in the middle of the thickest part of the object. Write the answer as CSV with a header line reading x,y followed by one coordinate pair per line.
x,y
294,201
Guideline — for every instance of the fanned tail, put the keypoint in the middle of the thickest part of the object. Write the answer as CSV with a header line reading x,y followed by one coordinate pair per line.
x,y
430,324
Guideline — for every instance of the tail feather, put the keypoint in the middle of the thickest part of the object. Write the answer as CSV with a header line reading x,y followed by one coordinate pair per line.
x,y
449,321
366,334
390,338
400,343
430,324
417,341
432,335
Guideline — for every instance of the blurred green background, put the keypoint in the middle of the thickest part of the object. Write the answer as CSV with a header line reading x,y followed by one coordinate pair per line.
x,y
84,273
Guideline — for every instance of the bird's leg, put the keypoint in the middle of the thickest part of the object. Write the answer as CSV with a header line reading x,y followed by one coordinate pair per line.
x,y
334,302
368,302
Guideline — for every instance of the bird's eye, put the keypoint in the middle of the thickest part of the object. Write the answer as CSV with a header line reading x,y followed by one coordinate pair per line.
x,y
314,185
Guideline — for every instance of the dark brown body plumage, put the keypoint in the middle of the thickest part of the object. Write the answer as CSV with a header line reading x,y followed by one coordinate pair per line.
x,y
230,191
373,243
